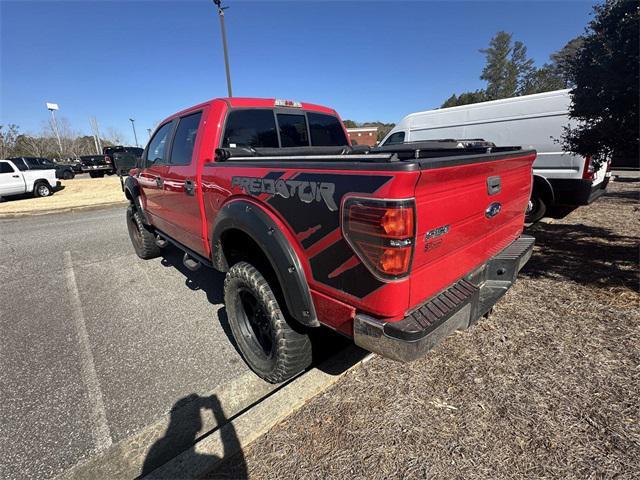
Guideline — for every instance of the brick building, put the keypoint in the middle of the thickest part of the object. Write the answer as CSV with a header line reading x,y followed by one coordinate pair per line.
x,y
363,135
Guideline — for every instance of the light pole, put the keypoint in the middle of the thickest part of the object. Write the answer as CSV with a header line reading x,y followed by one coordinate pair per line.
x,y
221,10
149,132
52,107
133,125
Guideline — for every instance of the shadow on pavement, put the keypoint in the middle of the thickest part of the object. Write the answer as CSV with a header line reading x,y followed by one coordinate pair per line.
x,y
185,424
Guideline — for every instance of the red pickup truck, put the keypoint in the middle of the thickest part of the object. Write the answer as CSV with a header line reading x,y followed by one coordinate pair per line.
x,y
395,247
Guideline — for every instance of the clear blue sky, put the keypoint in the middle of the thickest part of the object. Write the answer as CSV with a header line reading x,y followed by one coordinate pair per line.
x,y
370,60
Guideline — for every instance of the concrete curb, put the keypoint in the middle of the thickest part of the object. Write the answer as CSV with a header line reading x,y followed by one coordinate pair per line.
x,y
249,407
97,206
232,437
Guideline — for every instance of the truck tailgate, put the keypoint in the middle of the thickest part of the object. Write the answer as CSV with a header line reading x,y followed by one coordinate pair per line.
x,y
468,209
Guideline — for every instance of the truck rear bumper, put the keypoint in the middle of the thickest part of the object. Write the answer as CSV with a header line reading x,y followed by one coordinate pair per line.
x,y
455,308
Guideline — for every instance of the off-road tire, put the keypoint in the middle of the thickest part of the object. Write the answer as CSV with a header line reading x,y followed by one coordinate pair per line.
x,y
96,174
143,240
42,189
68,175
290,351
535,210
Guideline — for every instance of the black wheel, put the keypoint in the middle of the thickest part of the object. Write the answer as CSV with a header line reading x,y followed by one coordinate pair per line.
x,y
271,348
143,240
535,209
96,174
68,175
42,189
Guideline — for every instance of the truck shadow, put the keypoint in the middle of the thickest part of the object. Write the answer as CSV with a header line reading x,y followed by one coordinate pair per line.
x,y
184,430
325,343
588,255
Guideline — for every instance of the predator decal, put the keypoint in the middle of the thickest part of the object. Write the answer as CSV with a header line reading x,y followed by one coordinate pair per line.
x,y
312,225
306,191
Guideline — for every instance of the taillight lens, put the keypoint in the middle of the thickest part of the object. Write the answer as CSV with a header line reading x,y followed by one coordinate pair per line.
x,y
382,233
107,159
589,172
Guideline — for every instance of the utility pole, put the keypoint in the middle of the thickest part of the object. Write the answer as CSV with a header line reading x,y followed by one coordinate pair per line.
x,y
133,125
221,10
52,107
96,134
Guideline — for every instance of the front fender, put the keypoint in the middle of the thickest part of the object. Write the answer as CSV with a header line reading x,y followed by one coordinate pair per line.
x,y
258,224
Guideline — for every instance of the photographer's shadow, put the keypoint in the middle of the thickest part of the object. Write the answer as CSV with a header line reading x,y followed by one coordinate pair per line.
x,y
184,430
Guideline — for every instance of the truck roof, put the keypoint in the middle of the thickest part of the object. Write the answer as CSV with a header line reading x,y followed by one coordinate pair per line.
x,y
248,102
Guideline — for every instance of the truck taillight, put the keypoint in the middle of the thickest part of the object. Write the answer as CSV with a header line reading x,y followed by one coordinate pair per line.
x,y
107,159
589,172
382,233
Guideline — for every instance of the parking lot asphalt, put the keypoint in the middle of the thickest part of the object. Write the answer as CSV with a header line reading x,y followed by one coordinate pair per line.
x,y
96,343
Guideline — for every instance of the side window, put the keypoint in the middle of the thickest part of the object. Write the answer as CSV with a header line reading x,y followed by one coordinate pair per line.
x,y
5,167
397,137
326,130
250,128
293,130
158,145
185,139
20,164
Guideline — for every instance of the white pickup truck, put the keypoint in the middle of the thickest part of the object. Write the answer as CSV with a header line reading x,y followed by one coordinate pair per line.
x,y
41,183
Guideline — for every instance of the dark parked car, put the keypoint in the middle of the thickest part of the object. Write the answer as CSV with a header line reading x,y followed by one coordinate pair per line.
x,y
65,172
98,165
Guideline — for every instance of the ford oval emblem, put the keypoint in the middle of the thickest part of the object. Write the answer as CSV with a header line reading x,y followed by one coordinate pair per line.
x,y
493,209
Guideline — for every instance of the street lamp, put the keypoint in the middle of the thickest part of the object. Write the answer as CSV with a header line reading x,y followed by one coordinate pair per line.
x,y
52,107
133,125
221,10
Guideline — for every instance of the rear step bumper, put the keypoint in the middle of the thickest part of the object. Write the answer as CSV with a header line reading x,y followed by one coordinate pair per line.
x,y
455,308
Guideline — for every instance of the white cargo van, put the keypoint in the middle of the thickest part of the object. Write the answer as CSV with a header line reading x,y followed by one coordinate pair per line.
x,y
532,121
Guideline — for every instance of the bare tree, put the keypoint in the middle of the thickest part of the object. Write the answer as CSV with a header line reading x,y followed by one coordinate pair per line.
x,y
8,137
114,136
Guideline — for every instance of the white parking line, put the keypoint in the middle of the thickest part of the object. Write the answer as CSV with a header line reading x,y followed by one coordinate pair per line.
x,y
100,428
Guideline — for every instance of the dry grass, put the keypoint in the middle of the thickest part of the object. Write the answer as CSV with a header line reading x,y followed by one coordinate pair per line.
x,y
547,387
79,192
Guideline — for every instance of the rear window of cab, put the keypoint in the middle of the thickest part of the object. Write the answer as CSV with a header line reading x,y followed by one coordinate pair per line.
x,y
256,127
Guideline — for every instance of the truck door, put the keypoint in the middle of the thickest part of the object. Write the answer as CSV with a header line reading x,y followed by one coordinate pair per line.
x,y
11,180
152,176
181,188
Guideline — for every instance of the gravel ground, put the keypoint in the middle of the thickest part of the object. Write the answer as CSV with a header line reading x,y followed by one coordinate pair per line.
x,y
547,387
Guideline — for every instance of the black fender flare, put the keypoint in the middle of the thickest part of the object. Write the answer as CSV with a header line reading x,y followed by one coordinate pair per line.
x,y
260,227
132,192
543,187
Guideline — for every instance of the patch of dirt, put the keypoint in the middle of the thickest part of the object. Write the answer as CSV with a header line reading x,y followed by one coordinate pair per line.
x,y
78,192
547,387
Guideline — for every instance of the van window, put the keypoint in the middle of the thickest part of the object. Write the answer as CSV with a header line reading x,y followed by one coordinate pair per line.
x,y
397,137
293,130
250,128
158,145
326,130
185,139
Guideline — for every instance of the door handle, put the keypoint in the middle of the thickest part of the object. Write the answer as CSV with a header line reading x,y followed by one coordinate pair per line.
x,y
159,182
189,187
15,176
494,185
